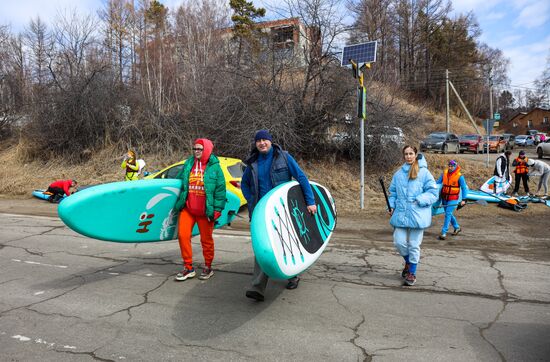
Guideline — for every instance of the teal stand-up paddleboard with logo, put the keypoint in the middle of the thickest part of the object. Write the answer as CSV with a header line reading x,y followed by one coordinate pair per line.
x,y
132,211
287,239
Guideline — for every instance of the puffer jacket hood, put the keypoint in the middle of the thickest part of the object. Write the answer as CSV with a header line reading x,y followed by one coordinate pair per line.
x,y
208,148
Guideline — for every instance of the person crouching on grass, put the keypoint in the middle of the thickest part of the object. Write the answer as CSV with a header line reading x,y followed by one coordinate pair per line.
x,y
412,193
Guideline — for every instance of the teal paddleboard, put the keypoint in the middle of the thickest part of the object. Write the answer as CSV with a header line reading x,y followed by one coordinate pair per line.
x,y
287,239
132,211
42,194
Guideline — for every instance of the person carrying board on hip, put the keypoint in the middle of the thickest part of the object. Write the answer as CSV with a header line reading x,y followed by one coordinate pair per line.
x,y
268,166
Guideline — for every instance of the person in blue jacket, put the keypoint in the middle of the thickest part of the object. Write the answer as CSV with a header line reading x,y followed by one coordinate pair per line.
x,y
453,185
412,193
267,167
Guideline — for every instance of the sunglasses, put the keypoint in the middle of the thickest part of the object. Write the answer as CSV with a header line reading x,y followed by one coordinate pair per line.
x,y
197,149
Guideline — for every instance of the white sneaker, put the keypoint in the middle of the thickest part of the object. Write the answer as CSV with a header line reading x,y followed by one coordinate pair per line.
x,y
185,274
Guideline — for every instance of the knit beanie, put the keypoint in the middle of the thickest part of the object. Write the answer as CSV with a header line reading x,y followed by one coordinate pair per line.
x,y
263,134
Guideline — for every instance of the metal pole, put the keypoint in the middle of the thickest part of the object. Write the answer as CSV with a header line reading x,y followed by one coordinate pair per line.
x,y
491,97
362,197
447,96
491,114
487,161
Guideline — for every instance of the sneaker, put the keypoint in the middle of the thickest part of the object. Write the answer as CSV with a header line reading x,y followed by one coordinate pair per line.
x,y
410,279
292,283
185,274
458,230
254,294
206,273
442,237
405,271
515,194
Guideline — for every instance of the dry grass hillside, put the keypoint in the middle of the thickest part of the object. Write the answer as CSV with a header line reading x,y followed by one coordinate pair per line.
x,y
342,178
19,179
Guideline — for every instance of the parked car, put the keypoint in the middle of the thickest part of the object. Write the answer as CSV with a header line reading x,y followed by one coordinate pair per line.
x,y
232,168
543,149
540,137
496,143
441,142
532,132
388,136
524,140
510,140
471,143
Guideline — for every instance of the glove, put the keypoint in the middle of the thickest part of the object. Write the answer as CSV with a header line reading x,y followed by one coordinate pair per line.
x,y
217,215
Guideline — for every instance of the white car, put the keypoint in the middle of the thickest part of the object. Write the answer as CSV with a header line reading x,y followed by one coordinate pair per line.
x,y
543,149
388,135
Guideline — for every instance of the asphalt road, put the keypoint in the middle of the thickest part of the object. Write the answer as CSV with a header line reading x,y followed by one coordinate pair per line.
x,y
482,296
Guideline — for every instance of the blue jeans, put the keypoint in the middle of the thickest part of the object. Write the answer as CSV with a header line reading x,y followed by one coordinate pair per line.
x,y
407,241
450,207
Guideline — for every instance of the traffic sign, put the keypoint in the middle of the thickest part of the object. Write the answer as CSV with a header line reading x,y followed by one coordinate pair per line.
x,y
488,125
497,116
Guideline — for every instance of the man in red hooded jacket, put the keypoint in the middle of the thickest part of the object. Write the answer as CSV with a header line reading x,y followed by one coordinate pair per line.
x,y
60,188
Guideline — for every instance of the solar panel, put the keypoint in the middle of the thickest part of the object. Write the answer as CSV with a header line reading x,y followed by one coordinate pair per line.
x,y
359,53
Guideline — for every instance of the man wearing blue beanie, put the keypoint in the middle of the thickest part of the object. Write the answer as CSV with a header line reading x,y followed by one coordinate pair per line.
x,y
258,179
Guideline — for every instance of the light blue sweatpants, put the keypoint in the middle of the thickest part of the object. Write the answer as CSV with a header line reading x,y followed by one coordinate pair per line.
x,y
407,241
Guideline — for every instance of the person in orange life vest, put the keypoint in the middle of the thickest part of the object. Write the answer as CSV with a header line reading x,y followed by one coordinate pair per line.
x,y
521,171
201,201
453,183
60,188
130,165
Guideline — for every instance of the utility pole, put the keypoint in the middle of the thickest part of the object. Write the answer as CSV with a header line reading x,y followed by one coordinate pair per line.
x,y
490,95
447,100
490,113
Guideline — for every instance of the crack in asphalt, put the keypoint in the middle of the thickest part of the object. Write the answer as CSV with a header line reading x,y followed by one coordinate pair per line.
x,y
36,253
2,313
504,297
52,228
354,329
184,344
91,354
145,301
48,314
374,353
27,306
9,281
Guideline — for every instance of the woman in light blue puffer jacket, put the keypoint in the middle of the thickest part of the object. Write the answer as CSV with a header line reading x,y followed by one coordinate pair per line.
x,y
412,192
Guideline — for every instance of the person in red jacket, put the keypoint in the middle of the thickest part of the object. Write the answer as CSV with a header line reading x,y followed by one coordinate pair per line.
x,y
60,188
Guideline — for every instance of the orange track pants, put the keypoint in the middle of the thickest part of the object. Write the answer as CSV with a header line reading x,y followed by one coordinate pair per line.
x,y
185,227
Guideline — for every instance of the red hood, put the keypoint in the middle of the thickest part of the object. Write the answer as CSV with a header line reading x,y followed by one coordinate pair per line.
x,y
208,148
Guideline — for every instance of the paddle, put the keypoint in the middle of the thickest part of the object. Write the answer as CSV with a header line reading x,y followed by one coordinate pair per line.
x,y
493,195
478,202
385,193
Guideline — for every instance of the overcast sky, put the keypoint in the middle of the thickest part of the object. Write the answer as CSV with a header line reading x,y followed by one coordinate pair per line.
x,y
520,28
